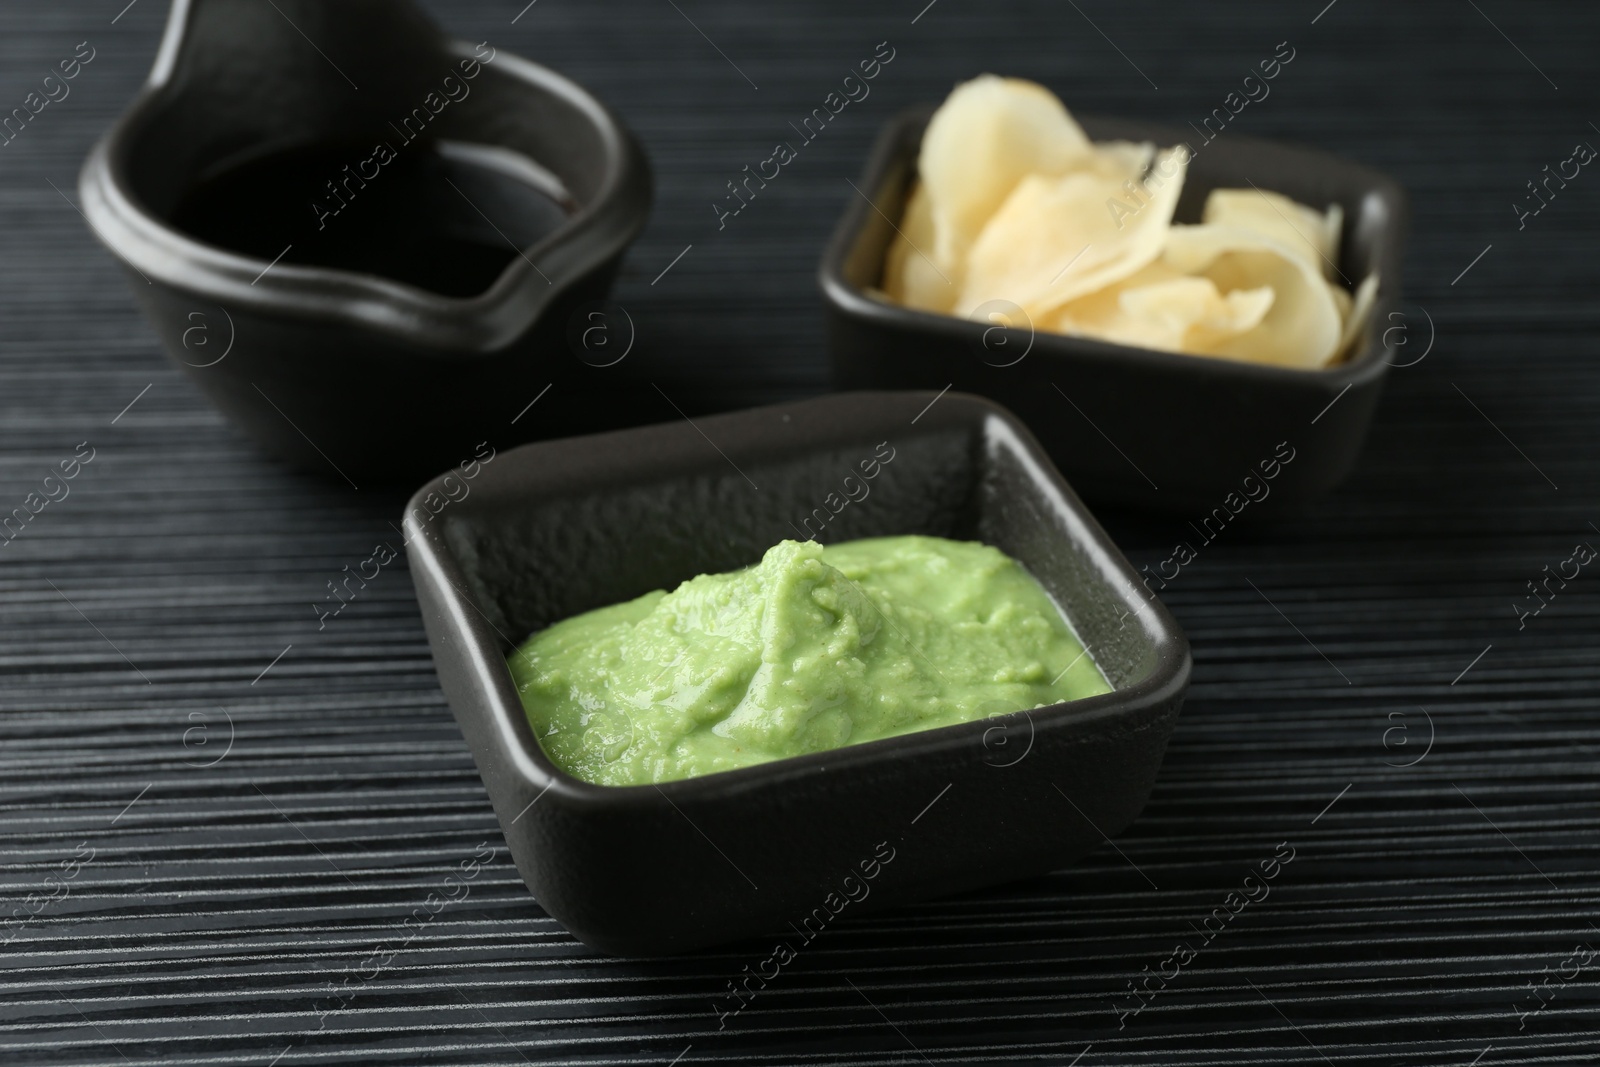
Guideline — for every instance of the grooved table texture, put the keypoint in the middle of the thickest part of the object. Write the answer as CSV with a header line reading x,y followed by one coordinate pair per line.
x,y
215,814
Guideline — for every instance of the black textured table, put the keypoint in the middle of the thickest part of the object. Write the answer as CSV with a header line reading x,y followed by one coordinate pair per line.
x,y
215,815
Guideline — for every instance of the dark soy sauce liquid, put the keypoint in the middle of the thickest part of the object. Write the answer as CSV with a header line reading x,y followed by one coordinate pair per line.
x,y
446,217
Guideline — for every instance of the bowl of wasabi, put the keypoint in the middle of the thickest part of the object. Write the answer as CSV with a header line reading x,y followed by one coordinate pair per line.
x,y
740,676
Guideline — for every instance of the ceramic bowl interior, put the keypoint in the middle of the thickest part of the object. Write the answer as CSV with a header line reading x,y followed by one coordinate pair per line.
x,y
515,126
417,190
547,557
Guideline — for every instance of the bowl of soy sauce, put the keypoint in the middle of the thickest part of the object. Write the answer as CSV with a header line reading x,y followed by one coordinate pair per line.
x,y
368,252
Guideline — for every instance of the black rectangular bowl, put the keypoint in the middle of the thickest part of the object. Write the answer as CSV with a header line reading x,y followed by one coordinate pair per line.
x,y
1160,430
549,530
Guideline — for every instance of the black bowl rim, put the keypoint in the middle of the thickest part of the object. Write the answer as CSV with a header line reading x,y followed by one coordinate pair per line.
x,y
432,562
890,145
458,326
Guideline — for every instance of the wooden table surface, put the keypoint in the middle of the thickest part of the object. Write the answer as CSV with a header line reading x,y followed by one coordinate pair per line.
x,y
206,854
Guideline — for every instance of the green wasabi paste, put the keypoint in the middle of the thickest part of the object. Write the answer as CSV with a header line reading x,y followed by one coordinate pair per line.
x,y
812,648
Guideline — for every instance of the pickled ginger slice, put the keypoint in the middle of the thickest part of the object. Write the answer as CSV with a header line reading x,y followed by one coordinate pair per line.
x,y
1160,308
1311,233
987,136
909,273
1355,322
1058,238
1301,328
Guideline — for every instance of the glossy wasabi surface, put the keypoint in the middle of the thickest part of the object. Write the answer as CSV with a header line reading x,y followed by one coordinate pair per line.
x,y
812,648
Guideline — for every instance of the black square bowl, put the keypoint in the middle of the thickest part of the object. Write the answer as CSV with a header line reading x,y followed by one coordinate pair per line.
x,y
1160,430
549,530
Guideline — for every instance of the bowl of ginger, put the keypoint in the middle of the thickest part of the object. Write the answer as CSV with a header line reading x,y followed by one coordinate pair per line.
x,y
1168,309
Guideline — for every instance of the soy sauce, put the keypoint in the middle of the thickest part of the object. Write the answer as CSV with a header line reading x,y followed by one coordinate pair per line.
x,y
443,216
